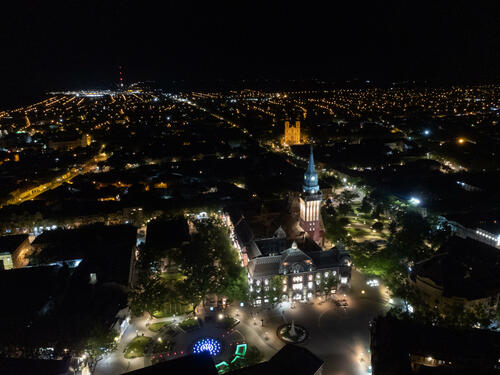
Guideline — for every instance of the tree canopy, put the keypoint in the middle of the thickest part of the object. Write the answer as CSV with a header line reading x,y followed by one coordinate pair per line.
x,y
206,264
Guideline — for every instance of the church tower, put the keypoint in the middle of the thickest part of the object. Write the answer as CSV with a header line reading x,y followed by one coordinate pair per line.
x,y
310,204
292,133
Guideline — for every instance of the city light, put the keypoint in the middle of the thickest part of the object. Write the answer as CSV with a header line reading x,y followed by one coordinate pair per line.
x,y
210,345
415,201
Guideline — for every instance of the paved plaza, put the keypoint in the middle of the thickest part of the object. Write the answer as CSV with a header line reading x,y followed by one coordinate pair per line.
x,y
337,334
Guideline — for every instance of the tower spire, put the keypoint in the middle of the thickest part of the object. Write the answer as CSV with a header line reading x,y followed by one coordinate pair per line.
x,y
310,176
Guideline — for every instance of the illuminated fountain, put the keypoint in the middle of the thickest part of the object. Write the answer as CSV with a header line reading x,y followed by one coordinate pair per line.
x,y
213,346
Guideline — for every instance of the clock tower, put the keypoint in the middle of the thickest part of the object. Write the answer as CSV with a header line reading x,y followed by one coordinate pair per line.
x,y
310,204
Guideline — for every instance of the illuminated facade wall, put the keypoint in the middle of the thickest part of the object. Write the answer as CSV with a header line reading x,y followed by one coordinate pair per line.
x,y
302,286
292,133
17,257
310,210
6,261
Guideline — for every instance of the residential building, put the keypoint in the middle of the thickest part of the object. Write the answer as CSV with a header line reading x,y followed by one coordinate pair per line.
x,y
404,347
13,251
464,271
70,143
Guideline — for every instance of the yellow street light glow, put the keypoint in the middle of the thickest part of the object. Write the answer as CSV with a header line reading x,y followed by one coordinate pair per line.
x,y
461,140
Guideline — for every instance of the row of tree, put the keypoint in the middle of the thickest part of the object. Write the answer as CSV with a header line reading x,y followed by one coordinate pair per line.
x,y
207,264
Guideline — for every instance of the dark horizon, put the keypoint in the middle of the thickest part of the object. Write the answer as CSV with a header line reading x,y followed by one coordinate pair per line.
x,y
79,45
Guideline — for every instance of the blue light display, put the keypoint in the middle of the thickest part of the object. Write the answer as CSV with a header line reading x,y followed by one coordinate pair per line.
x,y
207,345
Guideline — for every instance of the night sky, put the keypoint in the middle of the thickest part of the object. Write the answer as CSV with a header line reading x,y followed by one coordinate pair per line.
x,y
79,44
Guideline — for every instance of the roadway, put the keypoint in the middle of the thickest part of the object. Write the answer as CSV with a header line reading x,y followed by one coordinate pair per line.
x,y
23,196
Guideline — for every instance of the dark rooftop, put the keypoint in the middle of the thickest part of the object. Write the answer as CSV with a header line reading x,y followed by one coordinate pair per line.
x,y
201,364
28,290
464,268
24,366
9,244
264,266
290,360
470,351
104,250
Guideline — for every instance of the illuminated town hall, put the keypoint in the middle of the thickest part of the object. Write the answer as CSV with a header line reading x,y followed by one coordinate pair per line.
x,y
304,274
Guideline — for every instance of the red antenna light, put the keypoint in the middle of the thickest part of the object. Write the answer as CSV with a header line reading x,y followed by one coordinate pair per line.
x,y
120,72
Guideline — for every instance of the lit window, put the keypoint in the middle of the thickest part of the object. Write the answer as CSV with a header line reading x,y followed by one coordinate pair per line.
x,y
318,275
266,282
297,286
317,282
334,273
309,295
297,279
257,282
310,285
310,277
326,274
284,288
284,280
266,288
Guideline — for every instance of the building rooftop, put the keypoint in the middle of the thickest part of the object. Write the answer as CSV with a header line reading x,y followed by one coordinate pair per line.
x,y
264,266
9,244
274,264
201,364
104,250
289,360
463,268
30,291
469,351
25,366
